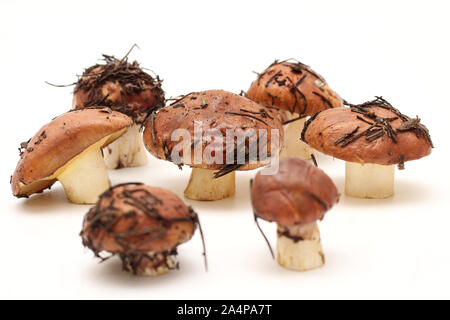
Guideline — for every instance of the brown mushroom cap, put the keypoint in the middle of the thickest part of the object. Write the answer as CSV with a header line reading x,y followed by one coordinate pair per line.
x,y
373,132
293,87
135,218
120,85
299,193
216,109
59,141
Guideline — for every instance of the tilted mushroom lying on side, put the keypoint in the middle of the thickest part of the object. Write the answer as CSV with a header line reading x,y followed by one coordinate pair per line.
x,y
142,225
219,115
126,88
297,91
295,198
68,149
372,138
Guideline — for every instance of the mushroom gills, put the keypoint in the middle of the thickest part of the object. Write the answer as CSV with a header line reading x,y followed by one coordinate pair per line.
x,y
149,264
127,151
369,180
203,186
299,247
293,146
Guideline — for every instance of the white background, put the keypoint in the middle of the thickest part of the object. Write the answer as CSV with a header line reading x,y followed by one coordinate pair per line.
x,y
394,248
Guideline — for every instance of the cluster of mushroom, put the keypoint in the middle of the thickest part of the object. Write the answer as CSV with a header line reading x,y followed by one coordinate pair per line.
x,y
110,103
119,111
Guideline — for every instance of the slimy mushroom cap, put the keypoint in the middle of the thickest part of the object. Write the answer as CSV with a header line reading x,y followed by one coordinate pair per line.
x,y
299,193
295,87
120,85
373,132
133,218
217,110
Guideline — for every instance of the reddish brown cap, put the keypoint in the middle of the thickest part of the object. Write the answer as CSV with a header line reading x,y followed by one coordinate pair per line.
x,y
299,193
134,218
372,132
120,85
294,87
61,140
215,109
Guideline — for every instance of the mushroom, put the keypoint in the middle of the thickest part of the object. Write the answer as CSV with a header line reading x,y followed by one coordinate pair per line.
x,y
297,91
126,88
207,121
68,149
142,225
295,198
372,138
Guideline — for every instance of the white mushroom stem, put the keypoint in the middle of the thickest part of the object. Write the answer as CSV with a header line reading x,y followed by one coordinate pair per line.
x,y
85,177
203,186
299,247
293,146
369,180
127,151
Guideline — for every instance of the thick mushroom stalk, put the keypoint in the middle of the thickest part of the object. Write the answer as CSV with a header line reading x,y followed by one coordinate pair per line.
x,y
204,187
299,247
293,146
85,178
368,180
127,151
